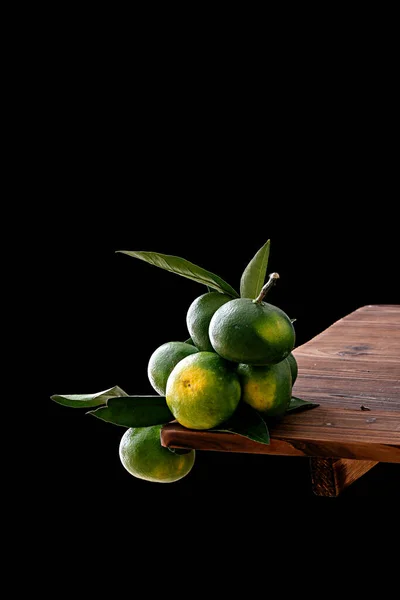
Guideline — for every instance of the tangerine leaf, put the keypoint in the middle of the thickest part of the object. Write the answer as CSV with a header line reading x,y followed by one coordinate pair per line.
x,y
89,400
135,411
246,422
254,274
180,266
299,404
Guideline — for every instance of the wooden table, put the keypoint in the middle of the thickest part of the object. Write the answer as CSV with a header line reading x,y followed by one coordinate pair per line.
x,y
352,369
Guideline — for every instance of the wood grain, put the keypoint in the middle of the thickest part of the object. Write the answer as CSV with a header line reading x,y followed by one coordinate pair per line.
x,y
352,370
330,476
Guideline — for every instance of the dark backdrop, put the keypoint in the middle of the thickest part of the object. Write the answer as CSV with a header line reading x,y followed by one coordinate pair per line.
x,y
214,195
111,311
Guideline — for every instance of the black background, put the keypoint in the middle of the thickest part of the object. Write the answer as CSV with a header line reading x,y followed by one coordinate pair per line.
x,y
190,180
111,311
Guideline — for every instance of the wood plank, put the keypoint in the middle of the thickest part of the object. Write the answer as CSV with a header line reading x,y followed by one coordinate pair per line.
x,y
352,366
284,443
331,476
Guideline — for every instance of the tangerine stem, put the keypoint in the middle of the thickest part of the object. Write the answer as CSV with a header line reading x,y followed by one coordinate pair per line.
x,y
264,290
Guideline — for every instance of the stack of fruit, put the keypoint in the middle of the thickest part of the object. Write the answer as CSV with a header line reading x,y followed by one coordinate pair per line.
x,y
237,367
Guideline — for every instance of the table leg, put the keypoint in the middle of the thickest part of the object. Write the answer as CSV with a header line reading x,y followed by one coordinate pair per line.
x,y
330,476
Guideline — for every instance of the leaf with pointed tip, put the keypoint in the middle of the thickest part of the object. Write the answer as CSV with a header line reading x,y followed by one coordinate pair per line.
x,y
299,404
180,266
189,341
135,411
247,422
89,400
254,274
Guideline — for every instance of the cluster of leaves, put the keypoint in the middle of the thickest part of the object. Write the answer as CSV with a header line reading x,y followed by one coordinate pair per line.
x,y
117,407
250,284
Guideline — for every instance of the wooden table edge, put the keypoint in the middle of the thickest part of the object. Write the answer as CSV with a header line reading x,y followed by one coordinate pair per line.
x,y
174,435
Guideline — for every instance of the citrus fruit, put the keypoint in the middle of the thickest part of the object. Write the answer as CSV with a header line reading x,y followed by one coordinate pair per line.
x,y
251,332
199,316
203,391
293,366
268,389
163,360
143,456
